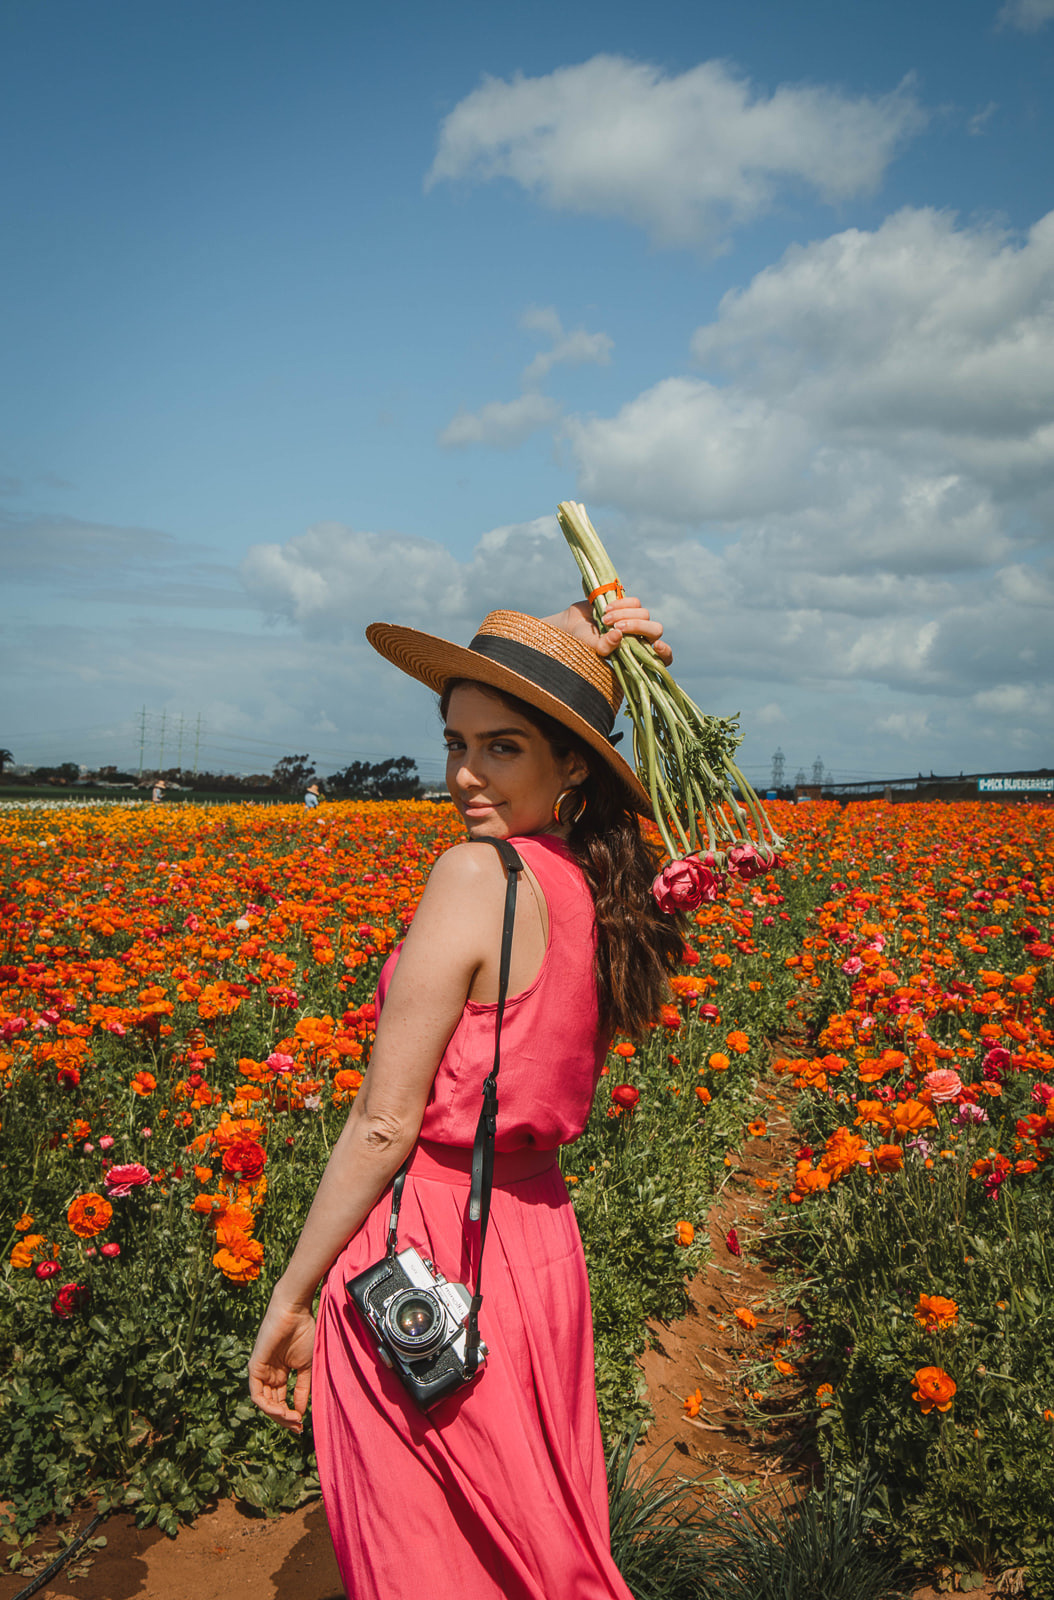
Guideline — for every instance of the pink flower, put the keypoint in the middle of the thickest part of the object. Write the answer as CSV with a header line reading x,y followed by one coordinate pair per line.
x,y
280,1063
46,1269
744,862
944,1084
996,1063
851,966
684,885
1042,1094
120,1181
111,1250
969,1113
106,1142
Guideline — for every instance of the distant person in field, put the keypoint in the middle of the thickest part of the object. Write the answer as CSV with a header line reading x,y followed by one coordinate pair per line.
x,y
313,796
498,1492
157,794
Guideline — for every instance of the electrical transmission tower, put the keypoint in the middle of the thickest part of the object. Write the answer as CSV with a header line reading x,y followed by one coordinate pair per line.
x,y
779,767
817,771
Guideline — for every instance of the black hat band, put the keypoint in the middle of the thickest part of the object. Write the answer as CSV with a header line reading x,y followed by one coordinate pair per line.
x,y
563,683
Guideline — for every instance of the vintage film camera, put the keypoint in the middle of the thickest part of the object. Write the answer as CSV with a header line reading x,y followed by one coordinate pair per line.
x,y
418,1321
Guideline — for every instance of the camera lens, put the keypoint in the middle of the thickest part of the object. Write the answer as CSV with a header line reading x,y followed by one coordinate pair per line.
x,y
414,1322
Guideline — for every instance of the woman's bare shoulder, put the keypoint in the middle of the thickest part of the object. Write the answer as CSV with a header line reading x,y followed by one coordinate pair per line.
x,y
469,870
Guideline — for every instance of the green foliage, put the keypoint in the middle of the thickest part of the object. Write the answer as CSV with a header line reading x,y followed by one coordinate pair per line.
x,y
658,1534
821,1547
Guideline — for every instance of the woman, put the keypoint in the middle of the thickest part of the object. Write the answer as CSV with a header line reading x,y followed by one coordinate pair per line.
x,y
501,1488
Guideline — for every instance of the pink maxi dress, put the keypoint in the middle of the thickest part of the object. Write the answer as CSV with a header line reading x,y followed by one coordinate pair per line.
x,y
499,1493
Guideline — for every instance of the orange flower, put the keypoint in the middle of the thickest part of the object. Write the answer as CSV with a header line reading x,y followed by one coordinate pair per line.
x,y
703,1094
737,1042
911,1115
825,1394
756,1129
685,1233
203,1174
842,1152
24,1223
935,1389
887,1158
872,1111
718,1062
745,1317
240,1264
88,1215
693,1403
783,1367
143,1083
24,1251
935,1313
625,1050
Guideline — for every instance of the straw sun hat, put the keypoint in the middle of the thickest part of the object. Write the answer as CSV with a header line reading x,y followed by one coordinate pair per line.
x,y
522,656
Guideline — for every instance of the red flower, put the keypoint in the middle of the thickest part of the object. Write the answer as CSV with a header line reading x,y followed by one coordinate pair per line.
x,y
71,1298
245,1159
732,1242
626,1096
46,1269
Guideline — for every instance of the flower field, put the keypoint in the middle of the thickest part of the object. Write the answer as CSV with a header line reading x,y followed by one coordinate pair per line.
x,y
185,1015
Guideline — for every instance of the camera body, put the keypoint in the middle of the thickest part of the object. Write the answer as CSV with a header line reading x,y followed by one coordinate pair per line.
x,y
418,1320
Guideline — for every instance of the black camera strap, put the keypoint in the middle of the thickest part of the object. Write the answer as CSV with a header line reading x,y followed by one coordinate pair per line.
x,y
486,1127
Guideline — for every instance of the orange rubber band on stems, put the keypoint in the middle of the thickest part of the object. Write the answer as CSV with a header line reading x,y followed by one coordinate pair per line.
x,y
606,588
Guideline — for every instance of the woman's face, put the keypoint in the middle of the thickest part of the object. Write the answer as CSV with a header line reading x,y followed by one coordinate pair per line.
x,y
501,770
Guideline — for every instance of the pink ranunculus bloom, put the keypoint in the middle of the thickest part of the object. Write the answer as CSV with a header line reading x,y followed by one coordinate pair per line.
x,y
106,1142
943,1084
110,1250
280,1063
121,1181
851,966
684,885
747,863
996,1063
969,1113
1042,1094
46,1269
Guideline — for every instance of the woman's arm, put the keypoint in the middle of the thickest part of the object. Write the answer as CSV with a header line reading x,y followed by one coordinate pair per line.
x,y
622,616
457,924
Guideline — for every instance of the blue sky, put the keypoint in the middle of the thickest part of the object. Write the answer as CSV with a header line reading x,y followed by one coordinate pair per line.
x,y
312,314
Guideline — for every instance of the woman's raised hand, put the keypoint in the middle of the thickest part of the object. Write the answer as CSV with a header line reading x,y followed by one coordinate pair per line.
x,y
622,617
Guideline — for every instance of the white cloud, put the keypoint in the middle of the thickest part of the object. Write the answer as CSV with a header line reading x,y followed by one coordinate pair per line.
x,y
501,424
911,726
688,450
333,580
1027,15
575,349
980,119
685,157
505,424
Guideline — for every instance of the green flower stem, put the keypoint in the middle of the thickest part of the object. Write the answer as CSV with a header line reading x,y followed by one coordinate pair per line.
x,y
683,757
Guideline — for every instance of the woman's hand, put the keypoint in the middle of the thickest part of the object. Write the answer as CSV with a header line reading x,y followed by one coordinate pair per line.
x,y
622,617
283,1345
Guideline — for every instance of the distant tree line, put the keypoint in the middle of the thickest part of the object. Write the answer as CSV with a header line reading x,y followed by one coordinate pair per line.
x,y
394,779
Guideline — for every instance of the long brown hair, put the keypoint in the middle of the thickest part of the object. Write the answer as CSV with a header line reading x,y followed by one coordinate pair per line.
x,y
638,946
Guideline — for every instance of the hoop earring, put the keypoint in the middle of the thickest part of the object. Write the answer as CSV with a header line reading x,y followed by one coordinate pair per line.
x,y
569,822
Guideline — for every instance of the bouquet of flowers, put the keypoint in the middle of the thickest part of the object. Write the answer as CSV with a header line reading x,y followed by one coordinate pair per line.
x,y
710,819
